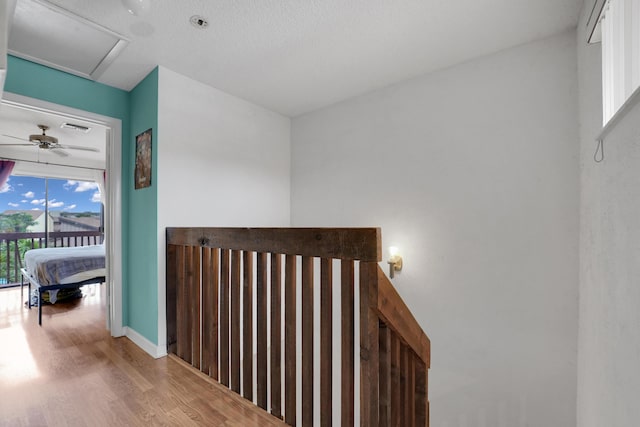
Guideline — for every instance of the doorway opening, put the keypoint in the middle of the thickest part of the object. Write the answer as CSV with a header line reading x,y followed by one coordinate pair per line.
x,y
94,168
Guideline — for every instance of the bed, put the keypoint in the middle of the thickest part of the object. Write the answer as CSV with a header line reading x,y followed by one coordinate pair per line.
x,y
53,269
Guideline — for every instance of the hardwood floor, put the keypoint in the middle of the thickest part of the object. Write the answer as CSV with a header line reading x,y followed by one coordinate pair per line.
x,y
70,372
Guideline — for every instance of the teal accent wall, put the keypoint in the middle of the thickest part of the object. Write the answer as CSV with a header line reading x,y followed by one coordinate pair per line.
x,y
142,292
138,111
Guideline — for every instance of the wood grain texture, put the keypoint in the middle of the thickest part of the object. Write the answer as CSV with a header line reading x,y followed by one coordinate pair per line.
x,y
181,304
403,386
247,325
385,376
347,362
87,378
207,306
369,346
290,340
214,312
225,297
276,335
193,274
395,313
235,320
307,341
172,295
421,394
395,381
261,330
348,243
188,304
326,342
411,388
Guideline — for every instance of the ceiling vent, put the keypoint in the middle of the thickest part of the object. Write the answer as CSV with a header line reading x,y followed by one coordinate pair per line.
x,y
57,38
74,126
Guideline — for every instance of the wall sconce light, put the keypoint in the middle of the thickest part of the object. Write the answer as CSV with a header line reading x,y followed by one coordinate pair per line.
x,y
395,261
137,7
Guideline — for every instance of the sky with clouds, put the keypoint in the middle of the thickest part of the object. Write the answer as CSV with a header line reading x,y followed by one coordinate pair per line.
x,y
28,193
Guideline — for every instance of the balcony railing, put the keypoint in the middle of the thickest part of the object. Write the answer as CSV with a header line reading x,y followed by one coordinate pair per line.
x,y
14,245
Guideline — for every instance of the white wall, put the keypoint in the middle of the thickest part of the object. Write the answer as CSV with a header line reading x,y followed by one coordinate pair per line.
x,y
473,173
608,340
222,162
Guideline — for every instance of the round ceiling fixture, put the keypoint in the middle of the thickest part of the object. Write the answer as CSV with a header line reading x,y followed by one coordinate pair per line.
x,y
137,7
199,21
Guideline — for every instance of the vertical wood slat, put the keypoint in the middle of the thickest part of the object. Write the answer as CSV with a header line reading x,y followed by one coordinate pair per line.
x,y
224,317
276,335
210,279
181,305
174,266
290,340
194,306
326,342
307,341
235,320
403,385
395,381
261,331
186,293
421,394
347,304
385,376
207,307
427,392
369,345
247,325
411,388
188,327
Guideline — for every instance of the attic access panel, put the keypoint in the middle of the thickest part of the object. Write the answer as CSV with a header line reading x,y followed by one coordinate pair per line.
x,y
52,36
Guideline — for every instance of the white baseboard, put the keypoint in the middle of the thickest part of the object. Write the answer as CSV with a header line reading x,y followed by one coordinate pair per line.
x,y
154,350
118,332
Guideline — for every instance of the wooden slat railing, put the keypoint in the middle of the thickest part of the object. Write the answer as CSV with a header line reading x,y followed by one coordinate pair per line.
x,y
231,301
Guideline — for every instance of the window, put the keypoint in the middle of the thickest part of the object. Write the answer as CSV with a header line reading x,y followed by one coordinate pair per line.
x,y
37,212
619,29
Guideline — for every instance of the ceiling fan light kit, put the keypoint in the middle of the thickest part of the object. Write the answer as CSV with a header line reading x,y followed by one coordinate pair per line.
x,y
44,141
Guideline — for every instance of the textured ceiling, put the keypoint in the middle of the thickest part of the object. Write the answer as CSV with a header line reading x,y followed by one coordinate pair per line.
x,y
295,56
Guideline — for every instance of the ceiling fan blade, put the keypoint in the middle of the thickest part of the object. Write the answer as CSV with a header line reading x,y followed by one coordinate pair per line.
x,y
77,147
16,145
15,137
58,152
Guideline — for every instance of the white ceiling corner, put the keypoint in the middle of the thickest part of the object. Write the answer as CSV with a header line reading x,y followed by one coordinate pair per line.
x,y
297,56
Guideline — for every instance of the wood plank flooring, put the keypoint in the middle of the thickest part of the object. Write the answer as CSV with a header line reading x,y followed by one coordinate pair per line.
x,y
70,372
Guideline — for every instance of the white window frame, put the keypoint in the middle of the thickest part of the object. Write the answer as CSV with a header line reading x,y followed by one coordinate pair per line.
x,y
618,27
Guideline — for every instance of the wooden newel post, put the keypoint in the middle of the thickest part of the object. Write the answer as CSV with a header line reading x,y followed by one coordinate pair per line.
x,y
369,345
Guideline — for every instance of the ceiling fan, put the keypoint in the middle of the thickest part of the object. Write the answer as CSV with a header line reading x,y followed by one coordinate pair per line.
x,y
47,142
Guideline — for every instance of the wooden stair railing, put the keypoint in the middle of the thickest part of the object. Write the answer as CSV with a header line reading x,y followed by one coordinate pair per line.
x,y
219,278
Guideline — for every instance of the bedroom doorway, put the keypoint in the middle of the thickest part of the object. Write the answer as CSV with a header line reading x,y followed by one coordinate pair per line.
x,y
67,165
